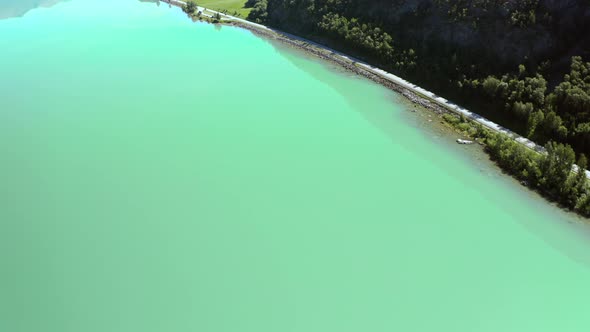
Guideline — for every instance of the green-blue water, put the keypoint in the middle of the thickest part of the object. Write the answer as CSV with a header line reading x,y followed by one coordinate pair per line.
x,y
162,175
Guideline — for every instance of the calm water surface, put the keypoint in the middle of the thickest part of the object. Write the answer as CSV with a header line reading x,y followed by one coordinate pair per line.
x,y
162,175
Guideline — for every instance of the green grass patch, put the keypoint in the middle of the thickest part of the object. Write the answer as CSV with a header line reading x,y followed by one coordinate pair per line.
x,y
232,6
451,119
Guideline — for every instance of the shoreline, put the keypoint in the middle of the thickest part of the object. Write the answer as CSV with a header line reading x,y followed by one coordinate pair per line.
x,y
411,96
412,93
351,66
409,90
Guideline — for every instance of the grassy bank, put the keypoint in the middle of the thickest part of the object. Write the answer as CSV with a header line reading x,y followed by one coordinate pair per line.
x,y
233,7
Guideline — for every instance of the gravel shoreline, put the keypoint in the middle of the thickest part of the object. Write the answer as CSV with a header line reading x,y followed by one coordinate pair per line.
x,y
344,63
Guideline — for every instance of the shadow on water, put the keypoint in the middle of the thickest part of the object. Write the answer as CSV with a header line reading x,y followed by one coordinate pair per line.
x,y
357,101
568,234
157,2
18,8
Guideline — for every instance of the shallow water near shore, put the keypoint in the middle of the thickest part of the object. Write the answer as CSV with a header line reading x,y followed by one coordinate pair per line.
x,y
163,175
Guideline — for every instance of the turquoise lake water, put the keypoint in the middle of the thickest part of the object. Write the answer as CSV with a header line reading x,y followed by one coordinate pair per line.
x,y
163,175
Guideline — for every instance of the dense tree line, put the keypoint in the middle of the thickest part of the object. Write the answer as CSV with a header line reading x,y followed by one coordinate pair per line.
x,y
552,173
359,35
259,11
562,114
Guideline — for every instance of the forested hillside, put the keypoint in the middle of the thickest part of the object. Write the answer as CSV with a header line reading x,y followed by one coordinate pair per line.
x,y
523,63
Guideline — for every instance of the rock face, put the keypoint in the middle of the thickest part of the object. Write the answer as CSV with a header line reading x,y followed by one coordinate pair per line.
x,y
504,32
559,28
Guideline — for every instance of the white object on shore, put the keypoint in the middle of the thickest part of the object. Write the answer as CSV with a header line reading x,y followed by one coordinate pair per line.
x,y
464,141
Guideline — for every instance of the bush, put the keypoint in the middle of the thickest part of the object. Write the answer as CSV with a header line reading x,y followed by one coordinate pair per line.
x,y
190,7
452,119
